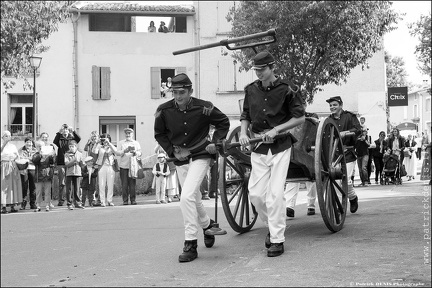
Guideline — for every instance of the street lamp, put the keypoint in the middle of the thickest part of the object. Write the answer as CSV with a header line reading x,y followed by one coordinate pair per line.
x,y
35,62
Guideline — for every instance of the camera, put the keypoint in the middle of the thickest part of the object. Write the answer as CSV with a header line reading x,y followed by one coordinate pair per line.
x,y
102,140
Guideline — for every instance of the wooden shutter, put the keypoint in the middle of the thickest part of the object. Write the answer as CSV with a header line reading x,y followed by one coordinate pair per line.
x,y
155,73
106,84
226,75
95,82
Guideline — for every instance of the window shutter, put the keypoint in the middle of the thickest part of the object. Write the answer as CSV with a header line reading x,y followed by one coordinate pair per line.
x,y
181,70
95,83
106,84
155,82
226,75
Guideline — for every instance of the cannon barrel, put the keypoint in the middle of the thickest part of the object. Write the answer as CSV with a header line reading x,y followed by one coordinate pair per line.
x,y
226,42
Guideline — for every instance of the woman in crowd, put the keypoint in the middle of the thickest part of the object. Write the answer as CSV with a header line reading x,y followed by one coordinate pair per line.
x,y
410,159
28,174
11,189
44,161
105,161
380,146
397,144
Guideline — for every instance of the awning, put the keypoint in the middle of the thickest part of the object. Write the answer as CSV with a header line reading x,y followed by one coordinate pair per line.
x,y
407,126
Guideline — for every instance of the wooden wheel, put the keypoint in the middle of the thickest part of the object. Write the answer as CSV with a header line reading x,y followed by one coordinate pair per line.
x,y
331,175
233,185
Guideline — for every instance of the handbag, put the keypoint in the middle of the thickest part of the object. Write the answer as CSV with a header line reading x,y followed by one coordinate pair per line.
x,y
403,171
115,165
140,170
136,171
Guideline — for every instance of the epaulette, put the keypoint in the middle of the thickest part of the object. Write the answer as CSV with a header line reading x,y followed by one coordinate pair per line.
x,y
207,105
349,112
163,106
291,85
254,82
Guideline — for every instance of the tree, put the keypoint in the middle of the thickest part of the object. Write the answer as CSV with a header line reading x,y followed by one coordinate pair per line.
x,y
319,42
395,71
422,29
24,24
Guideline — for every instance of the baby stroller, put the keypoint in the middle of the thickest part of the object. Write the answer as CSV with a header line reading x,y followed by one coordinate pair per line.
x,y
391,170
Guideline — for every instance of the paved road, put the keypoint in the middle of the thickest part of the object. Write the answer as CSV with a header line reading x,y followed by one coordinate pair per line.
x,y
383,244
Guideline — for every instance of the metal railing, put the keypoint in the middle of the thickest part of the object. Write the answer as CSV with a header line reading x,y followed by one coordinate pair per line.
x,y
20,129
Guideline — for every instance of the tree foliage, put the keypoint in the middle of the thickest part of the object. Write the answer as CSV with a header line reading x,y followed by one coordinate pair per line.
x,y
319,42
24,24
422,29
395,71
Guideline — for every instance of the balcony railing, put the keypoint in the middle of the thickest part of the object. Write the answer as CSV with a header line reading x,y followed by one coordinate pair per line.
x,y
20,130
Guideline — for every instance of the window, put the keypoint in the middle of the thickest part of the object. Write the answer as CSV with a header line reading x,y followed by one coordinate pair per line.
x,y
428,104
21,115
230,79
101,83
114,126
159,75
175,24
110,22
415,111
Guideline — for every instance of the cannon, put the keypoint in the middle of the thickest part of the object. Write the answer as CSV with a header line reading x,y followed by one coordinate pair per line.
x,y
318,156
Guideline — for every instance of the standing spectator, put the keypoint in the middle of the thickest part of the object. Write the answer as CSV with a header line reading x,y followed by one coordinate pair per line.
x,y
106,156
346,122
28,174
410,160
362,123
396,143
152,27
91,143
88,182
380,146
163,28
168,92
272,105
172,179
362,151
44,161
163,90
11,189
425,140
126,149
61,140
419,140
160,172
73,163
181,128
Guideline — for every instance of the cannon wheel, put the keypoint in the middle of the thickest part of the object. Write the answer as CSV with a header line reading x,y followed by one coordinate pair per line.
x,y
331,175
239,211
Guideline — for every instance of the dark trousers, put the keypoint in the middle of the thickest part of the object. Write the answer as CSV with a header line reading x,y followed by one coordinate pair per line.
x,y
73,187
418,153
128,186
61,173
379,166
27,183
87,194
369,168
362,165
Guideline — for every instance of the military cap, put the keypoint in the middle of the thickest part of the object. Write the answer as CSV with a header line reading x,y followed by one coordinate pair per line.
x,y
335,98
161,155
263,59
180,81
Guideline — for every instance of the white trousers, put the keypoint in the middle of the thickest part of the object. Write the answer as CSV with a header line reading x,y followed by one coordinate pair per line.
x,y
194,214
266,190
350,170
106,178
160,188
291,192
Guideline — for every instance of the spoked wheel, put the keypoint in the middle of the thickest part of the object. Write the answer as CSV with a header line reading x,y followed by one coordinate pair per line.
x,y
331,175
233,184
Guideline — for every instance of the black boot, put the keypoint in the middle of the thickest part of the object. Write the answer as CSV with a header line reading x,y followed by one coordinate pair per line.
x,y
189,251
354,204
23,205
209,240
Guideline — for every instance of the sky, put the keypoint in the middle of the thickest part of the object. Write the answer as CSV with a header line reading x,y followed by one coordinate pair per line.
x,y
400,43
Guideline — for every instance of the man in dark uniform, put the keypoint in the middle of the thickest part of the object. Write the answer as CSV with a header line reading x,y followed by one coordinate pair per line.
x,y
347,122
271,106
181,128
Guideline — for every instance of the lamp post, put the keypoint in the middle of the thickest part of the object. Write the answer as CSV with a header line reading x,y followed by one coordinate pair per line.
x,y
35,62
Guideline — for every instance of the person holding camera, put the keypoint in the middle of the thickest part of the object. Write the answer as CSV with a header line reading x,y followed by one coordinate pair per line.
x,y
105,151
61,140
89,146
126,149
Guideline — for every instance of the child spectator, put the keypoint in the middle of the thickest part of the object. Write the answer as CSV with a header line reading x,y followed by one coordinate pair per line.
x,y
161,171
88,183
73,163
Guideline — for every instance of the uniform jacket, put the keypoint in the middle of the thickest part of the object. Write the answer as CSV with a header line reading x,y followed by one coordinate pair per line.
x,y
267,107
188,128
348,122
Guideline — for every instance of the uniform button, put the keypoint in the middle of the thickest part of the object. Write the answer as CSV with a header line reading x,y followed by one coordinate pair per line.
x,y
265,99
184,112
184,144
185,133
184,123
264,110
